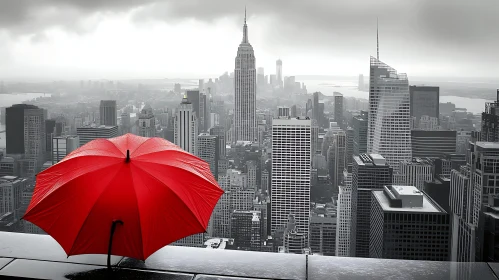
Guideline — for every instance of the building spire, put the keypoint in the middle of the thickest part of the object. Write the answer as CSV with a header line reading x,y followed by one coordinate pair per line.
x,y
245,28
377,39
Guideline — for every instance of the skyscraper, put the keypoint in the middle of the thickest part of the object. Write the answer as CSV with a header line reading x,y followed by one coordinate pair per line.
x,y
369,172
425,101
291,172
338,108
315,108
147,122
220,132
407,224
490,121
194,97
207,150
360,133
245,128
25,133
186,127
344,216
389,132
339,146
278,72
108,112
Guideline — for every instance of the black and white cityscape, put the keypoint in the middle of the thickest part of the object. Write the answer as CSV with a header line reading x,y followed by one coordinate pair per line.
x,y
370,163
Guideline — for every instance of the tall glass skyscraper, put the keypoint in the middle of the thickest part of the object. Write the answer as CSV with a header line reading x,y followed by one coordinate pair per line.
x,y
245,128
389,130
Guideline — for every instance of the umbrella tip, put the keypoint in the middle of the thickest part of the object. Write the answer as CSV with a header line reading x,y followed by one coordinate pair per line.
x,y
127,155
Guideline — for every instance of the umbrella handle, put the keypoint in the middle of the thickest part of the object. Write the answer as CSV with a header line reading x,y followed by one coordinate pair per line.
x,y
113,228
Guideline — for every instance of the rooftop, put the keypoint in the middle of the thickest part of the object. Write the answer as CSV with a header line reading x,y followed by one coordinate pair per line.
x,y
400,191
488,145
40,257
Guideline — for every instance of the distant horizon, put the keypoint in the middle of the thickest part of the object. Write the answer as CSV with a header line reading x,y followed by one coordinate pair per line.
x,y
206,77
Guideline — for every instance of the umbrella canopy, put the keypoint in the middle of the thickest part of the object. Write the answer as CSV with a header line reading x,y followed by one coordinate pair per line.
x,y
155,192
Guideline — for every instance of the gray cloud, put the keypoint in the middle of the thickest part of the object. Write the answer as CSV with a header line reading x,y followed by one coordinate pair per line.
x,y
430,28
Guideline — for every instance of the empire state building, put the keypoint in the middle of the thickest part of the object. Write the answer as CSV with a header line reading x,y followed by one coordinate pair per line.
x,y
245,128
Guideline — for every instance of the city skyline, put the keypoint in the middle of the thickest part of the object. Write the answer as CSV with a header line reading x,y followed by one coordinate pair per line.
x,y
162,38
379,166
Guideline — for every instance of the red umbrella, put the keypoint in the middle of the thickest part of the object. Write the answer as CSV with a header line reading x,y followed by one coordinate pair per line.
x,y
148,192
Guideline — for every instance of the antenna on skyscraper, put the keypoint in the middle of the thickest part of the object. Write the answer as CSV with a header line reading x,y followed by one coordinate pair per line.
x,y
377,39
244,14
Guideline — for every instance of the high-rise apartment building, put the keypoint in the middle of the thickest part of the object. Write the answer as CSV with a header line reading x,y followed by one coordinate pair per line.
x,y
436,143
425,101
147,122
245,127
186,127
207,150
359,124
92,132
369,172
108,113
407,224
389,131
63,146
291,172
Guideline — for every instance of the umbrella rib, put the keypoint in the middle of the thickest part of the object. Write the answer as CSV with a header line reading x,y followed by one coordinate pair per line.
x,y
176,167
51,190
91,209
190,210
138,214
177,151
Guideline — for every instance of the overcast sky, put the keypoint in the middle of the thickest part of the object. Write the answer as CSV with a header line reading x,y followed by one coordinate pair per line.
x,y
199,38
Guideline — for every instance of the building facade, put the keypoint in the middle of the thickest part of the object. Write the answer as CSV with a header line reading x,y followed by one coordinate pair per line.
x,y
369,172
147,122
291,173
92,132
389,131
108,113
407,224
186,127
359,124
425,101
436,143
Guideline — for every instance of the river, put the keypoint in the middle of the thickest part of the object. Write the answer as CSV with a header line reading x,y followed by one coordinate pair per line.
x,y
348,87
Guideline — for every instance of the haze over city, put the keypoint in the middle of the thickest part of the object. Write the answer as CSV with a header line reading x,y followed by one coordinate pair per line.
x,y
84,39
